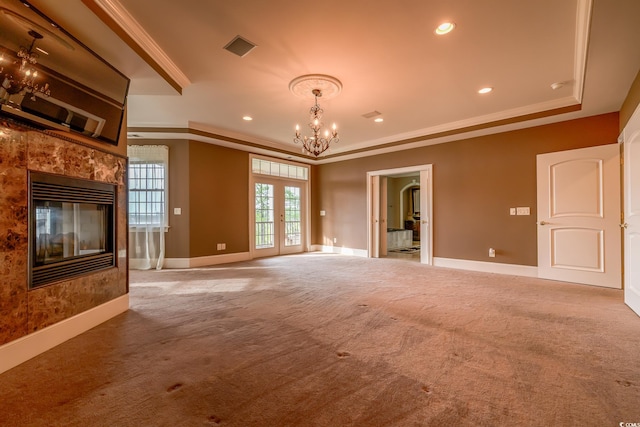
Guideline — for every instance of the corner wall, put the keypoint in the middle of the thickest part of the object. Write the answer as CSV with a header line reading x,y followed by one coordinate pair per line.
x,y
475,182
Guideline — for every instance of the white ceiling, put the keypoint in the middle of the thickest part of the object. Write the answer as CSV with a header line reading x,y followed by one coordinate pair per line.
x,y
385,54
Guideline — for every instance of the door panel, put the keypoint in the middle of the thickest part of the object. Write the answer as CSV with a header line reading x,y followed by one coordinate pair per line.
x,y
578,216
264,224
631,139
291,219
278,217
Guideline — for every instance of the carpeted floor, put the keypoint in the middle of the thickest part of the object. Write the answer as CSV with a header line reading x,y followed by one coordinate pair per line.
x,y
327,340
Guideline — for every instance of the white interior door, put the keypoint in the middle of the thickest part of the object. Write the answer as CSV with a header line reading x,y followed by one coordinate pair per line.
x,y
279,226
374,216
631,140
579,216
383,216
426,212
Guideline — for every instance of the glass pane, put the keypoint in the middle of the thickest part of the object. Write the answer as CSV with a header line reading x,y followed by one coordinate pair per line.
x,y
292,216
284,170
264,213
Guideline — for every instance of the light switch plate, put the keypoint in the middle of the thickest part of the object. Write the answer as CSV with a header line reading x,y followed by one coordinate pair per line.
x,y
177,211
523,211
323,213
512,211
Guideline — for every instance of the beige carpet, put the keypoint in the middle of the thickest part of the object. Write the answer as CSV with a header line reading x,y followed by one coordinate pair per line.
x,y
326,340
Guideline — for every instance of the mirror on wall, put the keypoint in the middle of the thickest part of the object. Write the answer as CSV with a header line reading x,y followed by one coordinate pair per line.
x,y
50,79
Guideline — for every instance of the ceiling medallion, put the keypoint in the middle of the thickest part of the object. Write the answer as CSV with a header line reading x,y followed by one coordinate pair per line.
x,y
316,85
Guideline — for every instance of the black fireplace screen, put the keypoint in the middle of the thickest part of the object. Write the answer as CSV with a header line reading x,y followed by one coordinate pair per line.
x,y
71,227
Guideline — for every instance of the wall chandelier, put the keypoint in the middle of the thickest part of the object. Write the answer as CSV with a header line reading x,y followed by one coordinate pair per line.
x,y
25,79
316,85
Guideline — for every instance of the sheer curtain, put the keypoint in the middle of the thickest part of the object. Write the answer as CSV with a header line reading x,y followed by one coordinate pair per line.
x,y
148,215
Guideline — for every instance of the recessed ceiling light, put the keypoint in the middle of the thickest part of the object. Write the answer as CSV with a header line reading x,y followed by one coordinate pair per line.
x,y
379,120
485,90
445,27
247,118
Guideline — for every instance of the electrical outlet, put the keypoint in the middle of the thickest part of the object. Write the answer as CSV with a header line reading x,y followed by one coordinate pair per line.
x,y
492,253
222,246
335,240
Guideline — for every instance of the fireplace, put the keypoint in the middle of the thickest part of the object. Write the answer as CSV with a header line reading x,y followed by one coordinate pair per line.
x,y
71,227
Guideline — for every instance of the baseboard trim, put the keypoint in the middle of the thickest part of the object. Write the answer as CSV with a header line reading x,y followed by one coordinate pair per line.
x,y
206,260
487,267
19,351
339,250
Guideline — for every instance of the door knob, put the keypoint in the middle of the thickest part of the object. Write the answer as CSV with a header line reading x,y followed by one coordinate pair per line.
x,y
543,223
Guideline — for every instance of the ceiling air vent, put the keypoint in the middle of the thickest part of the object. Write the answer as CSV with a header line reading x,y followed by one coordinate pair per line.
x,y
371,114
239,46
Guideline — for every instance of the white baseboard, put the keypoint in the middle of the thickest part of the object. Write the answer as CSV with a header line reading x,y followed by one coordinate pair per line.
x,y
206,260
19,351
487,267
339,250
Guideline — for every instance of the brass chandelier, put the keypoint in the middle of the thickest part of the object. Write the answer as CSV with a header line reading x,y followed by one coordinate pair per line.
x,y
316,85
316,144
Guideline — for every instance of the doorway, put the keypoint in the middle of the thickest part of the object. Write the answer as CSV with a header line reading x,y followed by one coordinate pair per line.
x,y
399,203
279,210
278,217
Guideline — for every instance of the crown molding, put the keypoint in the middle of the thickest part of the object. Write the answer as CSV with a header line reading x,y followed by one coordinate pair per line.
x,y
114,14
583,27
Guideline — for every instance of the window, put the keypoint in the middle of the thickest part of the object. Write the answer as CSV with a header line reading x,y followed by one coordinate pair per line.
x,y
283,170
148,184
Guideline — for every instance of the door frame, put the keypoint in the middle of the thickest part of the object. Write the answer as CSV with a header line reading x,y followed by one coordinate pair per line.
x,y
306,204
375,215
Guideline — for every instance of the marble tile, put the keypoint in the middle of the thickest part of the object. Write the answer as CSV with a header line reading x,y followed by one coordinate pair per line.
x,y
13,294
79,161
45,153
23,311
13,153
59,301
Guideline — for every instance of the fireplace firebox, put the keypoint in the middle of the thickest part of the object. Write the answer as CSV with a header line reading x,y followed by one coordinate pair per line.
x,y
71,227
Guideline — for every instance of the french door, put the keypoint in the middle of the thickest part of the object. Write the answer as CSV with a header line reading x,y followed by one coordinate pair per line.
x,y
279,217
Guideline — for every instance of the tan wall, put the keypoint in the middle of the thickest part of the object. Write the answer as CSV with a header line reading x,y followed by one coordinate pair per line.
x,y
219,201
475,183
209,184
630,103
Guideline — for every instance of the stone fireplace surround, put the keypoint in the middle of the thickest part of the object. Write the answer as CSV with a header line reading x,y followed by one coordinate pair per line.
x,y
34,320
